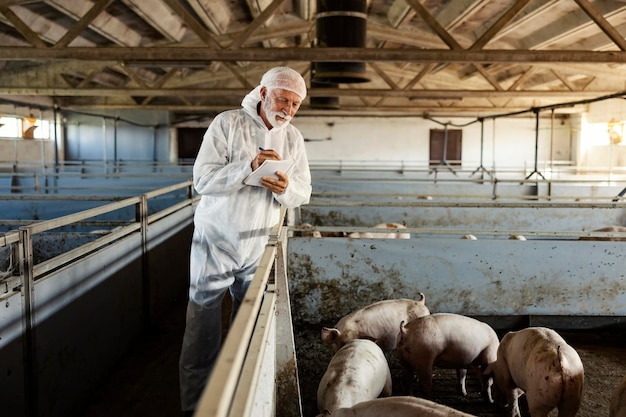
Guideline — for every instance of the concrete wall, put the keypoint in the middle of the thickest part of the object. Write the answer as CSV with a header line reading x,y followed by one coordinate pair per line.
x,y
506,280
136,136
32,151
507,142
418,200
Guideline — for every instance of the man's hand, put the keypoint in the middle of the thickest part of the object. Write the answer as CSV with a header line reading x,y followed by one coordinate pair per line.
x,y
276,185
262,156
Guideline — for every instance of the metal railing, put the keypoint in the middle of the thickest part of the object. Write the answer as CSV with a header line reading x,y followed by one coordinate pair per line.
x,y
23,275
258,359
140,203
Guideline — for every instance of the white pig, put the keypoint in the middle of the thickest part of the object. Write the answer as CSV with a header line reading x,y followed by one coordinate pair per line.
x,y
449,341
393,226
357,372
612,229
618,400
537,361
398,406
377,322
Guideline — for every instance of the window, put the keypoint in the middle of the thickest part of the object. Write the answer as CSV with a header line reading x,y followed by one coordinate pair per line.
x,y
19,127
615,131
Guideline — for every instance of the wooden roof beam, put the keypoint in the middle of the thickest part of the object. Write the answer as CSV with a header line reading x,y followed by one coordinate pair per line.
x,y
606,27
37,27
153,56
82,23
259,20
104,24
317,92
160,17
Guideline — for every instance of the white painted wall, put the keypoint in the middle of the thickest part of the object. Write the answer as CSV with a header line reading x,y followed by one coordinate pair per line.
x,y
507,142
596,150
30,151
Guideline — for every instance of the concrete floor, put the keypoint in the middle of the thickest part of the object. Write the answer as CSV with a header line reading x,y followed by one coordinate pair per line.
x,y
146,381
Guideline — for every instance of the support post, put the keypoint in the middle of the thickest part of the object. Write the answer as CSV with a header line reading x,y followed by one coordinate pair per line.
x,y
443,161
535,171
481,168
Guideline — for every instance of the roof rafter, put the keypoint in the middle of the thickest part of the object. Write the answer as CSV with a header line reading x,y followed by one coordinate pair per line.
x,y
197,54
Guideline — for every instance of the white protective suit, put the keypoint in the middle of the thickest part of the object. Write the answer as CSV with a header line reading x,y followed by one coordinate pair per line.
x,y
232,225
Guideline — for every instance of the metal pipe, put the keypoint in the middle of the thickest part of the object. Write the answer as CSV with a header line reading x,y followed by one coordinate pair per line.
x,y
31,385
104,143
56,139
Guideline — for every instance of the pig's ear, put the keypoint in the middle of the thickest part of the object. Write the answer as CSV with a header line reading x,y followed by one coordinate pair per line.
x,y
329,336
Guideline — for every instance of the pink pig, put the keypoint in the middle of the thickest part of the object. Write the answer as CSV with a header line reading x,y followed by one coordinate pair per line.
x,y
398,406
449,341
537,361
377,322
357,372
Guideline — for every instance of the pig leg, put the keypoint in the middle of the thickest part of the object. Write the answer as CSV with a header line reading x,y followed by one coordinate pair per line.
x,y
538,410
512,396
461,375
486,382
407,377
426,380
569,407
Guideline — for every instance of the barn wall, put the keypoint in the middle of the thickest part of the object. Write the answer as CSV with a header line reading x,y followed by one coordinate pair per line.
x,y
26,150
495,278
507,142
133,135
461,202
478,218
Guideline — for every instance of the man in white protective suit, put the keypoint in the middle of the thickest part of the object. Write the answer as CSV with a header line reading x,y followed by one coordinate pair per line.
x,y
233,220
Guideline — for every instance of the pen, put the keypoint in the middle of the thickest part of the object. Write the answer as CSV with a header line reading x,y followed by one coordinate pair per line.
x,y
261,149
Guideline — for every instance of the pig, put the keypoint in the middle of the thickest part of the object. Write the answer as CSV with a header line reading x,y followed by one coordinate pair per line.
x,y
316,233
377,322
449,341
383,235
357,372
397,406
610,229
618,400
308,233
537,361
469,237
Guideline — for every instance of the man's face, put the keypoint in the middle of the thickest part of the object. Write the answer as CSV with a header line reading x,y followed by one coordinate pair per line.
x,y
278,106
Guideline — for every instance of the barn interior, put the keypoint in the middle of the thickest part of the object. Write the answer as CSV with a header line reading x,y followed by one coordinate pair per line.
x,y
452,118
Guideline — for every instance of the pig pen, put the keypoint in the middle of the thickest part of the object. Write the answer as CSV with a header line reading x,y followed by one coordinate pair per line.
x,y
603,354
574,287
550,280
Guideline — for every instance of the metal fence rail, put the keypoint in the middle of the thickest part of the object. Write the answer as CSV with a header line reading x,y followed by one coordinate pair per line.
x,y
19,283
256,371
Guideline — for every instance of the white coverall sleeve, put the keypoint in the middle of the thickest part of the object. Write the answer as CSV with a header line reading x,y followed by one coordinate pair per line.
x,y
298,190
213,173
